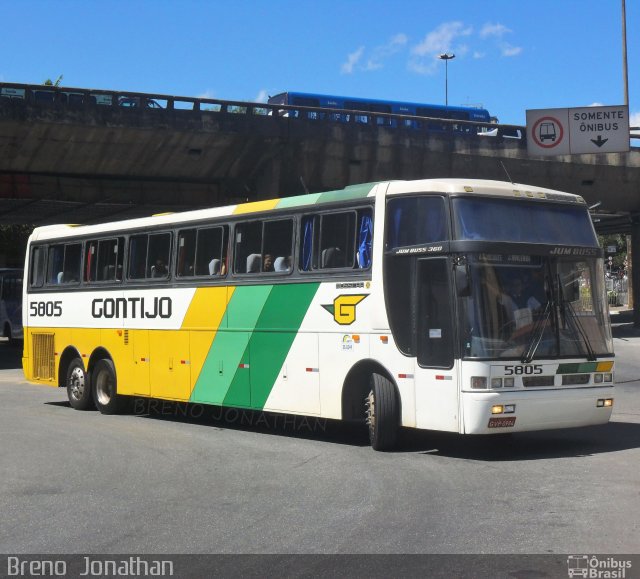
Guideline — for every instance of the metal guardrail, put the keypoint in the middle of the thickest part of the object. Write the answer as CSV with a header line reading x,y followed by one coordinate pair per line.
x,y
617,291
82,97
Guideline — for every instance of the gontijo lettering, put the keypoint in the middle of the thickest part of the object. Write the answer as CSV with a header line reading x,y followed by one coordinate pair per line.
x,y
131,308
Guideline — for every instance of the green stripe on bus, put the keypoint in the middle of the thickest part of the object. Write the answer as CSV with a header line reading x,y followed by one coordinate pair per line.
x,y
354,192
577,368
244,360
229,346
298,201
275,332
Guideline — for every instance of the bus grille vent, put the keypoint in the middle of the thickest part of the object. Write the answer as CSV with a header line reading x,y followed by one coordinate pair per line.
x,y
126,337
44,367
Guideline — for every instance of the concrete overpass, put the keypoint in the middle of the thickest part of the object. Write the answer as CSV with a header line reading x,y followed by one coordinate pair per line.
x,y
78,155
83,156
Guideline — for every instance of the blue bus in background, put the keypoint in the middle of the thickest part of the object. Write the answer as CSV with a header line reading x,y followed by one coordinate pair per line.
x,y
380,106
11,303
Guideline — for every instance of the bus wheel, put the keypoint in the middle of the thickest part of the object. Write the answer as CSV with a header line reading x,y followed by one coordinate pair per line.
x,y
78,386
105,388
382,407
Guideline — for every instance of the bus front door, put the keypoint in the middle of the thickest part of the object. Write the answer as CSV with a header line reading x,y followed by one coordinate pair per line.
x,y
435,376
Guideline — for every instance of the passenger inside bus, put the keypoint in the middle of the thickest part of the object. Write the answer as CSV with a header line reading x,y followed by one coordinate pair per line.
x,y
267,262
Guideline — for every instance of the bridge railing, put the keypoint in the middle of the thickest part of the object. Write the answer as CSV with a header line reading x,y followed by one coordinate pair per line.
x,y
81,97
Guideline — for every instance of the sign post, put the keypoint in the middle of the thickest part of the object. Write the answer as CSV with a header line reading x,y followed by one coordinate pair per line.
x,y
578,131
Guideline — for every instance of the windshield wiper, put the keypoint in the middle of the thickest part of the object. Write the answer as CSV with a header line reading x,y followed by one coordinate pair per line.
x,y
541,324
537,333
573,319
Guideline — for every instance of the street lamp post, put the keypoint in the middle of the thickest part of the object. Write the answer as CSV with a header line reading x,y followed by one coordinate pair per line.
x,y
446,57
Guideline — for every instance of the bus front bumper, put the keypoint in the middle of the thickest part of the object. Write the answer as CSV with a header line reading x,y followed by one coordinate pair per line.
x,y
517,411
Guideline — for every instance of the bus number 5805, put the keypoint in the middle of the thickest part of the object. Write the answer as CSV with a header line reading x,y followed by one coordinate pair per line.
x,y
519,370
46,309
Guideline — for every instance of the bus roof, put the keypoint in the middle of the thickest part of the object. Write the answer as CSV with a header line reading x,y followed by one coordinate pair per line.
x,y
352,192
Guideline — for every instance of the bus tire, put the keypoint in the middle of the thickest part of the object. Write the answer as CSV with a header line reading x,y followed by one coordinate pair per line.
x,y
382,410
78,386
105,388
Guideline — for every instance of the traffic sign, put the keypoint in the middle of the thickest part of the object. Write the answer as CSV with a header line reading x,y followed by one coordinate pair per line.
x,y
599,130
548,132
578,131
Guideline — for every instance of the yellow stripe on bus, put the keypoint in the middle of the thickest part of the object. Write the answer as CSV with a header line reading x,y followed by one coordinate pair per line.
x,y
207,308
204,317
256,206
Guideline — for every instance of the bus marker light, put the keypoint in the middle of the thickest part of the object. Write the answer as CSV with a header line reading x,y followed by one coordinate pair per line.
x,y
509,382
496,382
405,376
443,377
608,377
597,378
497,409
384,339
355,338
604,366
509,408
608,402
244,366
478,383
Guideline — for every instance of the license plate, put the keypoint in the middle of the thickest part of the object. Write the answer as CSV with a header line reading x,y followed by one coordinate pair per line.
x,y
502,422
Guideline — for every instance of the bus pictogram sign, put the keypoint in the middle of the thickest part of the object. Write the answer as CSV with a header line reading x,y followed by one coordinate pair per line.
x,y
548,132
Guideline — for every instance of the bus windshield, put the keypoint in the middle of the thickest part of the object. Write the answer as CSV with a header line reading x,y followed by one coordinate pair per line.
x,y
517,220
528,307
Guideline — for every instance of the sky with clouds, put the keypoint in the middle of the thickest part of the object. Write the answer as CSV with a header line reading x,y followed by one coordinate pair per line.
x,y
510,55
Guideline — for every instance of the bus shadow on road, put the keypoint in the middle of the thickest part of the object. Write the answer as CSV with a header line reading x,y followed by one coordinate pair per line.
x,y
541,445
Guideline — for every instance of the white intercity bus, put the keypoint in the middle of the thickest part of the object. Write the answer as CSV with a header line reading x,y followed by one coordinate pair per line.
x,y
457,305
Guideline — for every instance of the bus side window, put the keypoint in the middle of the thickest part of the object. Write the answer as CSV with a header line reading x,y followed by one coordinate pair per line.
x,y
149,256
248,244
64,264
186,252
37,267
365,239
158,256
211,251
109,259
337,240
277,248
137,256
306,242
260,244
91,261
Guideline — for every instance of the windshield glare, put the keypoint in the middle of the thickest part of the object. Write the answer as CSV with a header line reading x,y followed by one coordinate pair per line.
x,y
546,307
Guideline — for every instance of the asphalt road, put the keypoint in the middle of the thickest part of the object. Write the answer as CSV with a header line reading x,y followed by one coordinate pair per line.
x,y
80,482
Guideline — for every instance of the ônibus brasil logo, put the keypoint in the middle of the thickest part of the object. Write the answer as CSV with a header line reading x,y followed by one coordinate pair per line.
x,y
343,308
597,567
